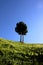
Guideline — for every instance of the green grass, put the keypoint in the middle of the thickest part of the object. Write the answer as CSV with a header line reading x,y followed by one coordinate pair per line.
x,y
16,53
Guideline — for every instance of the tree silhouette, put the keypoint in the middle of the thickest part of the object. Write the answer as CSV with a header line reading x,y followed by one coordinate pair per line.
x,y
21,29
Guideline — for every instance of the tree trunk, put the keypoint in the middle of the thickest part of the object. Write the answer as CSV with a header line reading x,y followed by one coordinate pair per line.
x,y
21,38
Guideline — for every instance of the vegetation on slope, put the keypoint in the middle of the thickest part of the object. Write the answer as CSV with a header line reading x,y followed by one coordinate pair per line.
x,y
16,53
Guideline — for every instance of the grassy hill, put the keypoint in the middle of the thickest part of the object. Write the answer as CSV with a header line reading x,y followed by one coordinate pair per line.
x,y
16,53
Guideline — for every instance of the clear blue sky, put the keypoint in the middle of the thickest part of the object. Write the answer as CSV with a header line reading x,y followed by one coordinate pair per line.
x,y
29,11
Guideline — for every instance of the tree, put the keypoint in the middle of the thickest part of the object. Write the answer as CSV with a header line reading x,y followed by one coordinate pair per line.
x,y
21,29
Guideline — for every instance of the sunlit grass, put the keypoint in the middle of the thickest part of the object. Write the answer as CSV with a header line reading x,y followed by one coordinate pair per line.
x,y
14,51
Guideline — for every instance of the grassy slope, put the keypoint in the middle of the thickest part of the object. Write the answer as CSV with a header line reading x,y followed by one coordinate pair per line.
x,y
13,52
